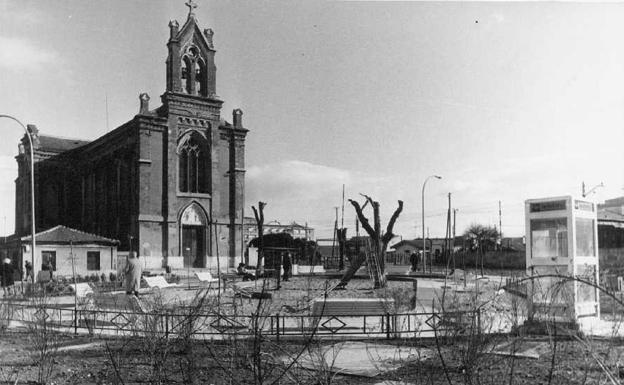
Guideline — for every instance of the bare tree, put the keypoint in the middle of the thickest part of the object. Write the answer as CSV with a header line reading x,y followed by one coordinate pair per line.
x,y
482,238
259,214
379,242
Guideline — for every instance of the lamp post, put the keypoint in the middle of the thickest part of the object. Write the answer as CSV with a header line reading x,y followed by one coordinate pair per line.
x,y
423,221
32,187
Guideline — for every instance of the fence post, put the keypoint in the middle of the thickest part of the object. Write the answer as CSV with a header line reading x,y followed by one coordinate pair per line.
x,y
277,326
75,321
167,325
388,326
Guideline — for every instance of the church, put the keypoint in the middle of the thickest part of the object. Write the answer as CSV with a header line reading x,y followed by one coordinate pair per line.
x,y
167,184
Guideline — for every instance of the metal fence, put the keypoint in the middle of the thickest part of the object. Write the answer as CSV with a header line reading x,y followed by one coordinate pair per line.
x,y
173,324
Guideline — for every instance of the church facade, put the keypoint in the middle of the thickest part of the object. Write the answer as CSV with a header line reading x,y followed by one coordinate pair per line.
x,y
167,184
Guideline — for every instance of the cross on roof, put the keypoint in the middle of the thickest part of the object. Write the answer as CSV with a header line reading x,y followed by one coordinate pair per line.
x,y
191,5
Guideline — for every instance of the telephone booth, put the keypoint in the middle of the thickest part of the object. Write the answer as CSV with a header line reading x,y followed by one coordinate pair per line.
x,y
562,242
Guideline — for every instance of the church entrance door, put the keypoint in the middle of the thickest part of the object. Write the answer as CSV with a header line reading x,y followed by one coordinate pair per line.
x,y
193,246
193,225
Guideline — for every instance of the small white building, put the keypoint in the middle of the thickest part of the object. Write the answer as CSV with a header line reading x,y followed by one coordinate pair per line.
x,y
63,246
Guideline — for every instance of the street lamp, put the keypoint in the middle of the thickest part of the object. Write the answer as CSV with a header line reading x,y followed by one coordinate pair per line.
x,y
423,221
32,188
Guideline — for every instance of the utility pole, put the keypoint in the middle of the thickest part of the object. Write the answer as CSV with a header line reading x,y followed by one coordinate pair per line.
x,y
447,235
500,224
343,194
335,232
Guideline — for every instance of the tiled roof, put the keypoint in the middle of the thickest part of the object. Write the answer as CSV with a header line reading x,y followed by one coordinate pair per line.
x,y
606,215
64,235
57,144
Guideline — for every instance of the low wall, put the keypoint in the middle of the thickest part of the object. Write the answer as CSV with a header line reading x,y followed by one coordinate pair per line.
x,y
492,260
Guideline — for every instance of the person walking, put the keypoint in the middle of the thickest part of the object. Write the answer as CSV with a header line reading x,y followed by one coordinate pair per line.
x,y
132,274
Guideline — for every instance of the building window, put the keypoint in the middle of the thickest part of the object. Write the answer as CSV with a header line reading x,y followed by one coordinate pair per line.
x,y
93,260
193,161
47,258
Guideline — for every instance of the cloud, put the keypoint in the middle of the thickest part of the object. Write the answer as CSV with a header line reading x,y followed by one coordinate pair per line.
x,y
293,179
18,54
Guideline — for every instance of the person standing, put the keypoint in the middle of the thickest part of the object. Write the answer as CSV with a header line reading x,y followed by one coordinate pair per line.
x,y
287,264
414,261
30,278
48,267
132,274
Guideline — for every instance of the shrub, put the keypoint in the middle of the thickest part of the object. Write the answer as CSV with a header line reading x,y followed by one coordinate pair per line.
x,y
112,277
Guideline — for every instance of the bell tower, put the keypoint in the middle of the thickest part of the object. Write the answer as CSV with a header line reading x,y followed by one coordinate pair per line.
x,y
190,63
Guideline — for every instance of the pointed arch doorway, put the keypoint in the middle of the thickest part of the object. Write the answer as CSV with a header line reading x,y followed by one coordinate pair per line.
x,y
194,236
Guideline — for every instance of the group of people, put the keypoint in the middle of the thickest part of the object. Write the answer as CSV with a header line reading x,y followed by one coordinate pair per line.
x,y
9,274
132,273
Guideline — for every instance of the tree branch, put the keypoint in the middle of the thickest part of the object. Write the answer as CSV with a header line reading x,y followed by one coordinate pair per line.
x,y
365,224
389,235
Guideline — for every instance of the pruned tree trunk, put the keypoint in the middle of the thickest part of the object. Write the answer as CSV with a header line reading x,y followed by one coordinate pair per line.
x,y
379,242
342,246
259,214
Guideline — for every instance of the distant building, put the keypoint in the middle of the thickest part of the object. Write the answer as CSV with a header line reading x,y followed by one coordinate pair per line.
x,y
611,233
67,250
408,246
274,227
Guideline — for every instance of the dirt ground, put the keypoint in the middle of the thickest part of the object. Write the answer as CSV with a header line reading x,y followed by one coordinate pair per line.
x,y
459,359
83,360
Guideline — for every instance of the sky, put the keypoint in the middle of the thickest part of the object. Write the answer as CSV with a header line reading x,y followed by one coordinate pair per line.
x,y
505,101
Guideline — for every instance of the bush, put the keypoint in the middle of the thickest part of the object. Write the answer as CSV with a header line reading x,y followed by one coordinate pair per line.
x,y
103,277
112,277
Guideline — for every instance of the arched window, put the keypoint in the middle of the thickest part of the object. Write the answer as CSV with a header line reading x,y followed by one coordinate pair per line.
x,y
200,77
194,164
186,74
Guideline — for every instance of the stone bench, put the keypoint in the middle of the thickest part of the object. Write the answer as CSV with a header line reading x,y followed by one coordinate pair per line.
x,y
352,306
206,277
81,289
158,282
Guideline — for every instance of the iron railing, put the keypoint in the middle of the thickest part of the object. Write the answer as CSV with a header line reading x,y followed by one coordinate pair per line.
x,y
214,325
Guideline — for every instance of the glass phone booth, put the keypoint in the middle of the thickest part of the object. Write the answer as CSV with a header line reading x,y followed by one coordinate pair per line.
x,y
562,240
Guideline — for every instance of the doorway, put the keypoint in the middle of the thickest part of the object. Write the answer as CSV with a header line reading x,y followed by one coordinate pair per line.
x,y
193,246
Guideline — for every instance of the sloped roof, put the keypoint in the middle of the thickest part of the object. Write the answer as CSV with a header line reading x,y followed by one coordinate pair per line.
x,y
65,235
408,242
607,215
58,144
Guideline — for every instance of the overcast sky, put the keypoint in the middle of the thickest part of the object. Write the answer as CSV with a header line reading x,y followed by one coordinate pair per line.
x,y
507,101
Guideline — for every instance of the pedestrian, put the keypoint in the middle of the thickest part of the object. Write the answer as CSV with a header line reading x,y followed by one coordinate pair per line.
x,y
47,266
414,261
29,273
132,274
287,264
6,279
